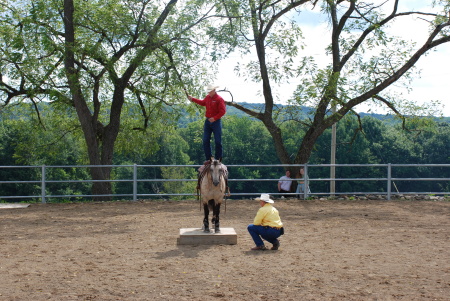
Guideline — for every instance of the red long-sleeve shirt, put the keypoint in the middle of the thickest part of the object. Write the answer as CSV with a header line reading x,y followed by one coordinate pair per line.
x,y
215,106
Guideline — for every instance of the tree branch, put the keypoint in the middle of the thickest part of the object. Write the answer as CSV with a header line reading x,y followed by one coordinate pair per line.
x,y
245,110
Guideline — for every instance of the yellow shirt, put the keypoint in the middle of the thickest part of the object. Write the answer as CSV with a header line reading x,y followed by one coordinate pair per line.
x,y
268,215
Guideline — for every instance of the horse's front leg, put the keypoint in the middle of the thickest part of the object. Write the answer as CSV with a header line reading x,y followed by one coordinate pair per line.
x,y
216,219
205,219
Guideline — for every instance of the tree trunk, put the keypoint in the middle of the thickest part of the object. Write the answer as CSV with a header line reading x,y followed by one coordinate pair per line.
x,y
266,117
94,133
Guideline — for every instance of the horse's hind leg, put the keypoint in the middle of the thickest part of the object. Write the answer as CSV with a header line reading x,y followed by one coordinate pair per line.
x,y
216,217
205,219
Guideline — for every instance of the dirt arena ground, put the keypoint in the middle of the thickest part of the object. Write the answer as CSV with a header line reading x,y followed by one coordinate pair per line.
x,y
332,250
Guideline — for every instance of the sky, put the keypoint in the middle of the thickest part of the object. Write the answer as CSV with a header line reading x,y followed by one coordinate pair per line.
x,y
432,83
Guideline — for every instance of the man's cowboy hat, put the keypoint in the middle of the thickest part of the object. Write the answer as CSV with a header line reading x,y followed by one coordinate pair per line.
x,y
266,198
211,87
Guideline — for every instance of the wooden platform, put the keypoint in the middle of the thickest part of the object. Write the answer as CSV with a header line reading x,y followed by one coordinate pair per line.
x,y
196,236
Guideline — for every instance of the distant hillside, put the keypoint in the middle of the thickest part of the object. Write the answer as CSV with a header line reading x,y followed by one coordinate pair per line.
x,y
258,107
306,110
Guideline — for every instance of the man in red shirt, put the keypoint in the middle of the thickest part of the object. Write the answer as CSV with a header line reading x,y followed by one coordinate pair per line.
x,y
215,109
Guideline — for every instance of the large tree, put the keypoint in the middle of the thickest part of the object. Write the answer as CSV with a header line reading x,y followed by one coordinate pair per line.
x,y
97,56
364,60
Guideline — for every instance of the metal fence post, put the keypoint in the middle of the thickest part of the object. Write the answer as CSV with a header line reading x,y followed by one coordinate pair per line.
x,y
134,182
43,185
305,177
389,177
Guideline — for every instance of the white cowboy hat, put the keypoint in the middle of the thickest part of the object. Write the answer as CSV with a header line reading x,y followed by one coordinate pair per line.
x,y
211,87
266,198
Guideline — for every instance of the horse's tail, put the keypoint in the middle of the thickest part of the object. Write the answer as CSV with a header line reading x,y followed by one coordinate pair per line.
x,y
226,194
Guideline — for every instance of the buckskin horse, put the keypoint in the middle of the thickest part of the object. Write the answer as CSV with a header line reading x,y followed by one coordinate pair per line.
x,y
212,185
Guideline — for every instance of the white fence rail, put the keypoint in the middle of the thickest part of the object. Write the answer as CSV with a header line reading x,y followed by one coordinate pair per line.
x,y
135,195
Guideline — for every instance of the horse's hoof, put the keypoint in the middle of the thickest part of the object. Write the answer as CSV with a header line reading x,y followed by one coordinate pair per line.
x,y
217,230
206,230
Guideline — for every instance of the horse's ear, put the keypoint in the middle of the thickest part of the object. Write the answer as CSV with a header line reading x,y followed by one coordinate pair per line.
x,y
220,160
211,159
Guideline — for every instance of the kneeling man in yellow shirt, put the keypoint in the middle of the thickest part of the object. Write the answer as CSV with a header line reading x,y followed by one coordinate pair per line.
x,y
267,225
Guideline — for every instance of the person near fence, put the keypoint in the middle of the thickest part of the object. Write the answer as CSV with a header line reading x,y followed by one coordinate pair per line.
x,y
284,184
300,192
215,110
266,225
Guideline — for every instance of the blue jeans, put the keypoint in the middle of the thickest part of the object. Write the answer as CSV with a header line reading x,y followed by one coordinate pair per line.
x,y
301,189
209,128
259,233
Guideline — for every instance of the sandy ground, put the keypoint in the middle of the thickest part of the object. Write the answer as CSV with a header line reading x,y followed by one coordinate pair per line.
x,y
332,250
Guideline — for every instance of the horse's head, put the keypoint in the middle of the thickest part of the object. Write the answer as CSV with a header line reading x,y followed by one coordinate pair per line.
x,y
216,171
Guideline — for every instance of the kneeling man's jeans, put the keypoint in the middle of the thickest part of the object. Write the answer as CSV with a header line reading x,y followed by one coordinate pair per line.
x,y
268,233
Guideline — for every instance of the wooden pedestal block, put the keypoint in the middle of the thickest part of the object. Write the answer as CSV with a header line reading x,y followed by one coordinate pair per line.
x,y
196,236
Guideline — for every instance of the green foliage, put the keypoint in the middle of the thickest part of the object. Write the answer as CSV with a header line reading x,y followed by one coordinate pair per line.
x,y
382,143
27,142
24,142
246,136
171,150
